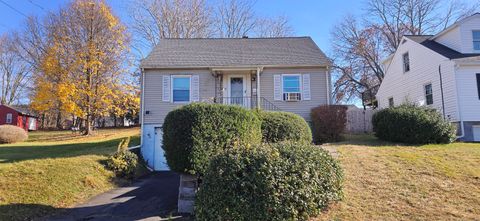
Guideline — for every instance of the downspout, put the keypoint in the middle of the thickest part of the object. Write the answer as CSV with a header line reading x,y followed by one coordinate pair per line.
x,y
327,77
258,88
142,106
462,134
441,90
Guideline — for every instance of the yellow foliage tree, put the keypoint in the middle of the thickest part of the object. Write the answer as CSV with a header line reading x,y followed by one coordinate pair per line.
x,y
84,62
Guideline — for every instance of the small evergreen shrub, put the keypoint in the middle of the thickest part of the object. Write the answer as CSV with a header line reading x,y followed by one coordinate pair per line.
x,y
12,134
284,126
413,125
194,133
124,163
328,122
284,181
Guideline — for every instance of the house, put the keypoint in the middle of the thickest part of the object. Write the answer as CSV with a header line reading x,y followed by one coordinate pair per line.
x,y
289,74
19,116
440,71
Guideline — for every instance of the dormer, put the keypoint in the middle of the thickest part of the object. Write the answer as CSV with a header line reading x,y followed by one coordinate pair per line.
x,y
463,36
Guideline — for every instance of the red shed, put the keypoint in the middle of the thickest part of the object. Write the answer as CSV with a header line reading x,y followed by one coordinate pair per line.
x,y
18,116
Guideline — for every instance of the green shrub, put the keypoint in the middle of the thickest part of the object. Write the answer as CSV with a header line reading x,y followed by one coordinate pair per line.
x,y
413,125
12,134
123,163
284,181
194,133
284,126
328,122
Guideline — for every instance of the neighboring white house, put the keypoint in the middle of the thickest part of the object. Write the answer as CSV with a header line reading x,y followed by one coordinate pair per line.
x,y
288,74
441,71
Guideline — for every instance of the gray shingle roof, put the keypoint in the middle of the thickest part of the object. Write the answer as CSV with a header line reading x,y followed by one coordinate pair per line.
x,y
439,48
230,52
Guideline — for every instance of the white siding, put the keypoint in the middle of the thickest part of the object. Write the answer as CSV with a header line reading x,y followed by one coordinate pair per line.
x,y
451,39
460,37
424,69
466,29
318,90
468,93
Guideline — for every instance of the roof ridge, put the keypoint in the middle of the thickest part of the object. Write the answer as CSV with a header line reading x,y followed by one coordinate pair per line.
x,y
290,37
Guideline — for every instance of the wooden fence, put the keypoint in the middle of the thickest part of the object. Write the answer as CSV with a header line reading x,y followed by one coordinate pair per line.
x,y
359,120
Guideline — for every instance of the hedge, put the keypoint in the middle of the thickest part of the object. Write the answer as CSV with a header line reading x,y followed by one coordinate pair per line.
x,y
284,126
194,133
12,134
328,122
284,181
413,125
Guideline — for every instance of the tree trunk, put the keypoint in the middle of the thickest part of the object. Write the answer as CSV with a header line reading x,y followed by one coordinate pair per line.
x,y
59,120
114,120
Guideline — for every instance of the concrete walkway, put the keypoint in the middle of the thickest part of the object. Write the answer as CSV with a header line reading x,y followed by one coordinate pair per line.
x,y
151,198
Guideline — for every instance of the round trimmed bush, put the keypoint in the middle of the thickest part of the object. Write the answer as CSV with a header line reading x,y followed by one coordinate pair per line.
x,y
413,125
12,134
123,163
194,133
284,126
284,181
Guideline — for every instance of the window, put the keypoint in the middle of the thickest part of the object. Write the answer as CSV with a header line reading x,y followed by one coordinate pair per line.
x,y
428,94
406,62
291,87
181,88
390,102
476,40
478,85
9,118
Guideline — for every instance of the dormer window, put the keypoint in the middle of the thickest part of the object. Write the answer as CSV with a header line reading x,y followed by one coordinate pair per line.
x,y
406,62
476,40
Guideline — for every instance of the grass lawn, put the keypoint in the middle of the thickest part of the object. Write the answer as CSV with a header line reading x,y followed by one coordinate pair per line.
x,y
384,181
56,169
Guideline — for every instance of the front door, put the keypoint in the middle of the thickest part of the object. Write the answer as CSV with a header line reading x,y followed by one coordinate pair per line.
x,y
237,91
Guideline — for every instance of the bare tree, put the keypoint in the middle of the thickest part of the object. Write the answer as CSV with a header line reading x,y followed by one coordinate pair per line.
x,y
157,19
273,27
357,58
14,72
359,46
235,18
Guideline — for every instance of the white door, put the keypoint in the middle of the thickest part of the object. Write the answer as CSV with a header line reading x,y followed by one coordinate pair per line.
x,y
159,161
476,132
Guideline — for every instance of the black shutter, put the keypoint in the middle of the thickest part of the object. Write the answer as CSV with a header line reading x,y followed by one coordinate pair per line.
x,y
478,85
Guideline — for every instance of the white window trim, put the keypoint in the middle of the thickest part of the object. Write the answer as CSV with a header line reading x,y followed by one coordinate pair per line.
x,y
403,62
7,119
189,89
300,82
474,40
425,93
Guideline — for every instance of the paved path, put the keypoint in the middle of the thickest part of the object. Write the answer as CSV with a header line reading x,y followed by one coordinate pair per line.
x,y
150,198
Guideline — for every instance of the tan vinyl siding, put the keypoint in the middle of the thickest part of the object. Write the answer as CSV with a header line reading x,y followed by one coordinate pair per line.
x,y
318,90
153,92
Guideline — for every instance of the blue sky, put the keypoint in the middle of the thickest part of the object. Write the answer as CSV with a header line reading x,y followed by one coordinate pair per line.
x,y
313,18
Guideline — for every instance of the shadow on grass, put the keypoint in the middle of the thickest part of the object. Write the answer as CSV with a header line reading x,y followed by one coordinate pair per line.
x,y
367,140
154,195
9,154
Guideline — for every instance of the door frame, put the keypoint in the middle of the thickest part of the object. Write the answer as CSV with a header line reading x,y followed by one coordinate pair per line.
x,y
229,84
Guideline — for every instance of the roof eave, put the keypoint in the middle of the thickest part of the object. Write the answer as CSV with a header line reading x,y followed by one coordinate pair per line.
x,y
246,67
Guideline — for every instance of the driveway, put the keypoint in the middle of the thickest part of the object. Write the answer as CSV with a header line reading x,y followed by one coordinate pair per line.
x,y
151,198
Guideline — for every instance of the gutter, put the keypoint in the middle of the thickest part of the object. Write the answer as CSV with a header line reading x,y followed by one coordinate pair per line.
x,y
328,78
441,90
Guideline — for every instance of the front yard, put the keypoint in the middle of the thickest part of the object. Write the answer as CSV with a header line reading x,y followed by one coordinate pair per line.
x,y
55,170
384,181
